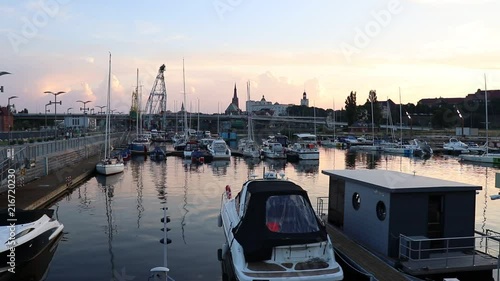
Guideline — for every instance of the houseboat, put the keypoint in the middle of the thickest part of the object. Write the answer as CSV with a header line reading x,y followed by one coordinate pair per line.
x,y
421,226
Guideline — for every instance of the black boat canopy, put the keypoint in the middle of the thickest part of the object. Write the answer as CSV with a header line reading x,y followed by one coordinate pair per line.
x,y
277,213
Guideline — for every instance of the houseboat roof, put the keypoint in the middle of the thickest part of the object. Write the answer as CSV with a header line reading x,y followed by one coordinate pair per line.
x,y
398,182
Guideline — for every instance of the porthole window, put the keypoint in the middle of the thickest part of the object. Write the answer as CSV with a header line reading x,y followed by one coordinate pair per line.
x,y
381,211
356,201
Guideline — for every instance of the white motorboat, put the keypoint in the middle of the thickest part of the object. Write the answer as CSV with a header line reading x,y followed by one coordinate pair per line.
x,y
306,147
108,165
274,150
34,231
454,145
273,233
219,149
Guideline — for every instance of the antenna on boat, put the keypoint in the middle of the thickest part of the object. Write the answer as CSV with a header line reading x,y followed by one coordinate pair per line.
x,y
160,273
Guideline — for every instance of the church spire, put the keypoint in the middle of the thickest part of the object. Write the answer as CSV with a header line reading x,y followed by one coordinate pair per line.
x,y
235,97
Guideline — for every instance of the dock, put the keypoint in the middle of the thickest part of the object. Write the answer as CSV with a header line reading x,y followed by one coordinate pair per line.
x,y
366,260
42,192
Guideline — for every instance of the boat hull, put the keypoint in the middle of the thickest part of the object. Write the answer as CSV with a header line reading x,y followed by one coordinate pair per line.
x,y
485,158
109,169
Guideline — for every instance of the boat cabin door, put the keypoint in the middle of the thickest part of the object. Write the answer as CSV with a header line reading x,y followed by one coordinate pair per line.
x,y
435,223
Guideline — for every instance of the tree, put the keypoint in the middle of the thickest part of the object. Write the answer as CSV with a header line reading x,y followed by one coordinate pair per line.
x,y
350,108
377,110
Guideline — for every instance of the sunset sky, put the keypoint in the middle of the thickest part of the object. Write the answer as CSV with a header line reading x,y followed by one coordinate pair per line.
x,y
428,48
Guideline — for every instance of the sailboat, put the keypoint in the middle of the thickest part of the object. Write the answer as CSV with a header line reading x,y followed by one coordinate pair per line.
x,y
248,147
400,149
371,147
108,165
487,157
142,143
180,144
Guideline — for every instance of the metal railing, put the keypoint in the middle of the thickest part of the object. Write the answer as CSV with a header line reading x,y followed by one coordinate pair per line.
x,y
446,250
322,206
25,155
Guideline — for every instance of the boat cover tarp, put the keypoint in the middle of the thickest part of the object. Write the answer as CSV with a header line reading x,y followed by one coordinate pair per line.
x,y
278,213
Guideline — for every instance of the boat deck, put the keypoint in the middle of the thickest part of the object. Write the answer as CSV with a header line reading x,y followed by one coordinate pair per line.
x,y
450,262
372,264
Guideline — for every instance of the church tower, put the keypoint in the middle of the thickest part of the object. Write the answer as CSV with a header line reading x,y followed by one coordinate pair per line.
x,y
235,97
304,101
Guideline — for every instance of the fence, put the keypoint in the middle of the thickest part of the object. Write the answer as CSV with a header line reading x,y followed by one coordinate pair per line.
x,y
51,153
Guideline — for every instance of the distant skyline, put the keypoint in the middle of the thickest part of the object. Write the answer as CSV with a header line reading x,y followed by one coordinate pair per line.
x,y
428,48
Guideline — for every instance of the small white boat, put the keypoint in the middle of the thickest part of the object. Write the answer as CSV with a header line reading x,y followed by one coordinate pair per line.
x,y
34,231
219,149
273,233
454,145
274,150
306,147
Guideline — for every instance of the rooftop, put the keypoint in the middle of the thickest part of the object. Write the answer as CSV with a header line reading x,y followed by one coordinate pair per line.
x,y
398,182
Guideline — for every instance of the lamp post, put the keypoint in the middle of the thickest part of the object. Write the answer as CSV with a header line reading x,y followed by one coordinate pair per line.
x,y
461,120
8,102
46,110
101,107
84,108
55,108
411,123
67,110
2,73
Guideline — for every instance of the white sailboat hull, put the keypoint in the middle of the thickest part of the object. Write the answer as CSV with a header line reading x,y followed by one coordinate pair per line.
x,y
491,158
109,169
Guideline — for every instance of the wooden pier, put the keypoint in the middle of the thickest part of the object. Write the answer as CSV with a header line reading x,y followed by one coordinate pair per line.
x,y
366,260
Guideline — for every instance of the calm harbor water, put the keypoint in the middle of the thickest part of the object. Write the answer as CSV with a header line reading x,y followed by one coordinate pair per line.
x,y
113,233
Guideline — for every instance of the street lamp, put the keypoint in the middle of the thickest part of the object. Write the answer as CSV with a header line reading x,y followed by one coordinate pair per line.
x,y
101,107
1,74
462,121
55,107
8,102
411,123
46,110
84,108
67,111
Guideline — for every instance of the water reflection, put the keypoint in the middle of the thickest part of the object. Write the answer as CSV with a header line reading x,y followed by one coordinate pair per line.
x,y
307,166
219,167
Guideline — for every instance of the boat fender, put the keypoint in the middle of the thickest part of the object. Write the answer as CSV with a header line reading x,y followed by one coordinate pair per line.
x,y
201,159
225,249
228,191
219,220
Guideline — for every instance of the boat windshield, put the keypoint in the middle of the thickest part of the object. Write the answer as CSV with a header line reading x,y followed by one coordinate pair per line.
x,y
290,214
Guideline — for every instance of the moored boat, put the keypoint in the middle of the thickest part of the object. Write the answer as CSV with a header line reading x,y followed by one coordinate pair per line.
x,y
34,231
272,233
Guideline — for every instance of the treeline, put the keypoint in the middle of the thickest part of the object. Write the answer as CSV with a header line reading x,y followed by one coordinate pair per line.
x,y
441,115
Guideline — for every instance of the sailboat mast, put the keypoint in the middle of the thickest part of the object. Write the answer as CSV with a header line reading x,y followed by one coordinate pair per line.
x,y
373,123
400,118
334,120
138,108
185,104
106,142
314,113
249,129
486,108
198,127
